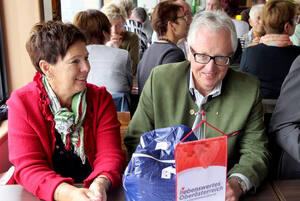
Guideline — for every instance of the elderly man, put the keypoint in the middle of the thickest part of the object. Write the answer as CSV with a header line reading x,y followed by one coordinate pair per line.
x,y
213,5
174,93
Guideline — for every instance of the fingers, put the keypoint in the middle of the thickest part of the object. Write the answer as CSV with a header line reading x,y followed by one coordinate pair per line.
x,y
97,191
229,195
97,196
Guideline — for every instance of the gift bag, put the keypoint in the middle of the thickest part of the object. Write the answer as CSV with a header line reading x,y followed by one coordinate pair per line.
x,y
201,170
201,167
150,174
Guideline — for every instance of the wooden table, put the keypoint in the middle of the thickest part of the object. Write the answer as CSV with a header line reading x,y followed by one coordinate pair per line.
x,y
264,193
15,193
283,190
287,190
18,193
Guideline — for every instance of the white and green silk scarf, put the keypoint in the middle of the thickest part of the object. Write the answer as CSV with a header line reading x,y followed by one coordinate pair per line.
x,y
69,124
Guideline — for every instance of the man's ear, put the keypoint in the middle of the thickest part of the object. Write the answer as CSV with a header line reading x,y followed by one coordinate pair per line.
x,y
45,67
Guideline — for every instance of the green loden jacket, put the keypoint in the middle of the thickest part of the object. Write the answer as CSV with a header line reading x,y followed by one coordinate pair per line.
x,y
166,101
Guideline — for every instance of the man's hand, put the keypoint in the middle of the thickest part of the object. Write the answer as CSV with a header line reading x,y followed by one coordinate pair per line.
x,y
233,190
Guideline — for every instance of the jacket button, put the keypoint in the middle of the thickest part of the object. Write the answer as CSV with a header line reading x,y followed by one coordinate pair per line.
x,y
192,112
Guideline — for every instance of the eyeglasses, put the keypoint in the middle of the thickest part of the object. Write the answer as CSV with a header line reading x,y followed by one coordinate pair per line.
x,y
205,59
183,17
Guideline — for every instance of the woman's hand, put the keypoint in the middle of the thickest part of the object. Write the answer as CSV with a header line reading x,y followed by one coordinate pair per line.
x,y
115,41
255,41
98,188
233,190
67,192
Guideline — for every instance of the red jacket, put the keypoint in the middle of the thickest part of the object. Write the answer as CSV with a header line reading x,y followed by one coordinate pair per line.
x,y
31,138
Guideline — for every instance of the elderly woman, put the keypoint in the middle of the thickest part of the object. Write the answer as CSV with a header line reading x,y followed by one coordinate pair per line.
x,y
120,38
61,129
106,70
253,36
170,24
271,59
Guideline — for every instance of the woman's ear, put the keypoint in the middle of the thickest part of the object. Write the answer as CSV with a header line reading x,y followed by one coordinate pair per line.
x,y
106,37
289,29
45,67
171,26
250,22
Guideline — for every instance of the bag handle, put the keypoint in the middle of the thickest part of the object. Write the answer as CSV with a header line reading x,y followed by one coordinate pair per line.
x,y
205,122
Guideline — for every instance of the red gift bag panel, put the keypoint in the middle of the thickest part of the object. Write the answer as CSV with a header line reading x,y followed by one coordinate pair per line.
x,y
201,170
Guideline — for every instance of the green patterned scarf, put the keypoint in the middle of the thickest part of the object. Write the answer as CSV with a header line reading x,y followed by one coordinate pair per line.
x,y
69,124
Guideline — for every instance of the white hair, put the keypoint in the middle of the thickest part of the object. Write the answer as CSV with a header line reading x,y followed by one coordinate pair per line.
x,y
214,20
254,9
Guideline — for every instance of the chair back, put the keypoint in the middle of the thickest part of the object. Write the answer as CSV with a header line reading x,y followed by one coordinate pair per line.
x,y
4,162
124,119
121,102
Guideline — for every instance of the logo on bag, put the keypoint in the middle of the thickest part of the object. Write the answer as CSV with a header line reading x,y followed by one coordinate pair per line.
x,y
182,191
200,191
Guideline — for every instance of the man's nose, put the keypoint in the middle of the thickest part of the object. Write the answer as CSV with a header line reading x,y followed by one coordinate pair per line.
x,y
210,65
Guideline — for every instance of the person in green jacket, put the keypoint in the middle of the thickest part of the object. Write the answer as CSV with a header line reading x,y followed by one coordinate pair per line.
x,y
176,94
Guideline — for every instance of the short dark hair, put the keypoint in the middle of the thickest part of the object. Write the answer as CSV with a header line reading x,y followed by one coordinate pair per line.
x,y
49,40
93,22
140,13
276,13
163,13
230,7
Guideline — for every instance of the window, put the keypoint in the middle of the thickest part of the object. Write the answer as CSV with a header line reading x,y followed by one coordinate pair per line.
x,y
70,7
3,78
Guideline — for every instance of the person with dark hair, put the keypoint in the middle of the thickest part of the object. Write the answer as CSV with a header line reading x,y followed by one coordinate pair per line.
x,y
170,24
271,59
62,130
106,70
139,14
135,24
230,7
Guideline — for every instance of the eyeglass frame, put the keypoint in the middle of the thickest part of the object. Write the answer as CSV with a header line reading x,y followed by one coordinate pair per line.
x,y
210,58
184,17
